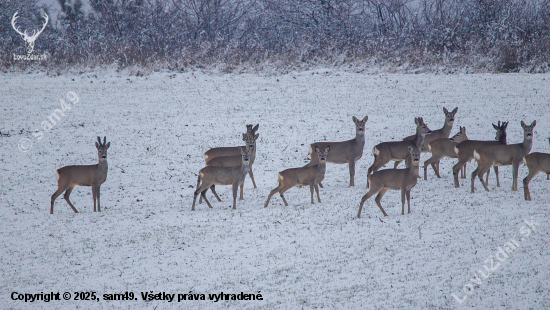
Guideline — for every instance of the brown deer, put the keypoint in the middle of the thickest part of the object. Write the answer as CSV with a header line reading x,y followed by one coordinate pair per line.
x,y
234,176
83,175
536,162
235,161
503,155
444,148
398,150
465,150
303,176
345,152
396,179
440,133
230,150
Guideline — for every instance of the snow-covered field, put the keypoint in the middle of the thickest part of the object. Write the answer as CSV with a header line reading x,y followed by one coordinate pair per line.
x,y
146,239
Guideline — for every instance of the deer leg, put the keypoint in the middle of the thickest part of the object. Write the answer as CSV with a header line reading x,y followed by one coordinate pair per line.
x,y
203,194
403,198
213,189
526,193
495,168
396,163
474,175
480,175
281,192
515,170
317,191
548,176
351,166
321,185
98,194
487,177
94,195
409,199
437,165
311,189
60,189
241,194
464,167
66,196
251,174
430,161
273,191
456,168
378,198
369,194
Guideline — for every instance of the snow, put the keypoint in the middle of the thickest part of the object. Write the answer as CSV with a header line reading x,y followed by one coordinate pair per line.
x,y
300,256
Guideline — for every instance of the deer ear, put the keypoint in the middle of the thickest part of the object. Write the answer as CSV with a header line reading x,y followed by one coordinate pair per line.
x,y
534,123
355,120
445,110
244,137
316,150
327,149
455,110
365,119
97,145
421,148
256,127
523,124
256,136
495,126
416,120
410,149
107,145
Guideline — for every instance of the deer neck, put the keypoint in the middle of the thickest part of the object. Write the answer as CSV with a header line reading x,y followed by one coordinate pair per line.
x,y
446,129
244,167
418,139
527,145
103,166
360,138
322,166
414,170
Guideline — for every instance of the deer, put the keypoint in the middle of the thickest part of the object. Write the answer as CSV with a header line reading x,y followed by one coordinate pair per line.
x,y
440,133
444,147
29,40
503,155
345,152
395,179
465,150
302,176
536,162
398,150
83,175
211,175
235,161
232,150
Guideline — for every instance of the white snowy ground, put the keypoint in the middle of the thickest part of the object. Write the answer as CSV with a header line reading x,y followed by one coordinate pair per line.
x,y
302,256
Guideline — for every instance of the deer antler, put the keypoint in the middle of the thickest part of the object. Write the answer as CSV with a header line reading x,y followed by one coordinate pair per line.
x,y
34,35
13,24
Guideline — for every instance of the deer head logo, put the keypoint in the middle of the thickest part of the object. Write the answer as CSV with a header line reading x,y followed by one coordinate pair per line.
x,y
29,40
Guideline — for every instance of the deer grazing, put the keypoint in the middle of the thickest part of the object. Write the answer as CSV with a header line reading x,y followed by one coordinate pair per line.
x,y
396,179
83,175
440,133
211,175
303,176
465,149
503,155
444,148
345,152
235,161
398,150
536,162
29,40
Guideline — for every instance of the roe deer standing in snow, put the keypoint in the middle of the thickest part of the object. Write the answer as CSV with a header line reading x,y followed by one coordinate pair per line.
x,y
444,148
83,175
465,149
398,150
211,175
235,161
397,179
303,176
503,155
345,152
536,162
440,133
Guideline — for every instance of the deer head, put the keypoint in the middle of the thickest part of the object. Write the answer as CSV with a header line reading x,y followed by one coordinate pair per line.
x,y
29,40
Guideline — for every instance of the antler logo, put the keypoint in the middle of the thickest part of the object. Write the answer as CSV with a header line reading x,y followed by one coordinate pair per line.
x,y
29,40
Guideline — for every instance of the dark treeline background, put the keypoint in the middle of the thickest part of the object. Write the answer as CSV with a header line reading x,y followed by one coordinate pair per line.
x,y
479,35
